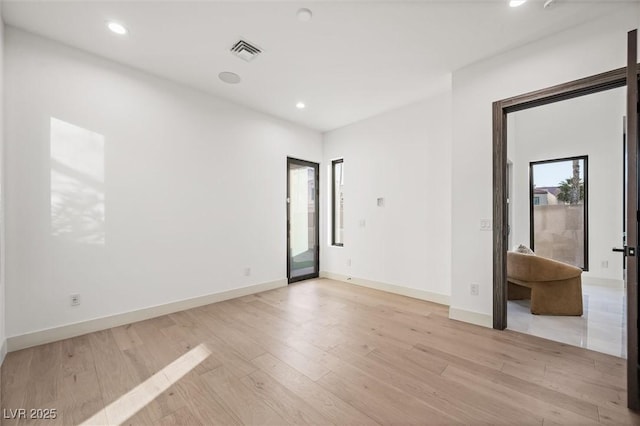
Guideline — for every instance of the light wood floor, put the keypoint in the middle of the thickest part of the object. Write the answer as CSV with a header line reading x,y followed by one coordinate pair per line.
x,y
317,352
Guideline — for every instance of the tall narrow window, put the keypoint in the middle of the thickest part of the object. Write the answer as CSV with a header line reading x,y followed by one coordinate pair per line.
x,y
337,202
558,210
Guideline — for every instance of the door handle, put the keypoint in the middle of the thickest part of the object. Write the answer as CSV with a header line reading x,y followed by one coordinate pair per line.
x,y
628,251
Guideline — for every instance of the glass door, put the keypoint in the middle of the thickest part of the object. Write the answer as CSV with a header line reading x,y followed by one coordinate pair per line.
x,y
303,224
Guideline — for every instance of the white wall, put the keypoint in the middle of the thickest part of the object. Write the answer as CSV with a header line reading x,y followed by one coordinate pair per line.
x,y
193,188
588,125
403,156
582,51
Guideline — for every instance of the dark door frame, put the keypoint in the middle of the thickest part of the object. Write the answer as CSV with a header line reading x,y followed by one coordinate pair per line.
x,y
631,240
316,271
585,86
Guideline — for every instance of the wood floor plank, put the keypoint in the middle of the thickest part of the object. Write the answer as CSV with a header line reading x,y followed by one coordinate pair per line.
x,y
381,402
79,396
77,356
616,370
585,388
114,376
618,417
556,398
183,416
317,352
142,366
420,386
286,353
528,406
243,345
290,407
254,317
185,340
44,376
308,348
15,376
225,353
297,318
126,337
330,406
202,403
239,400
484,406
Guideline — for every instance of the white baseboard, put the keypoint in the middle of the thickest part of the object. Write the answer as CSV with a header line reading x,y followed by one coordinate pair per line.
x,y
603,282
472,317
442,299
49,335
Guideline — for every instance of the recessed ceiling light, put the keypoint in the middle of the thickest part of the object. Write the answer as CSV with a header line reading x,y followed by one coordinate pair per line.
x,y
117,28
229,77
300,105
304,15
516,3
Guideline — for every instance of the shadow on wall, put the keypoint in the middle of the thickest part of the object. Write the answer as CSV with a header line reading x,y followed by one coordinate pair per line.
x,y
77,183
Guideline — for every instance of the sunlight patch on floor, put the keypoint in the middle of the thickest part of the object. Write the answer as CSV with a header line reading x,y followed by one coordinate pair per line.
x,y
137,398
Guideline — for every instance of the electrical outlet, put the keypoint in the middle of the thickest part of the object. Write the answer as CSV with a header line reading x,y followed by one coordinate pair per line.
x,y
605,264
75,299
348,262
485,224
247,272
474,289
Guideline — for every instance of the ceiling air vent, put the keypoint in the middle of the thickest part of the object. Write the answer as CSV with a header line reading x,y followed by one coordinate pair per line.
x,y
245,50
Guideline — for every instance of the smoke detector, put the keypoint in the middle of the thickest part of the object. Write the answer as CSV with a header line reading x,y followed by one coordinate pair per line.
x,y
245,50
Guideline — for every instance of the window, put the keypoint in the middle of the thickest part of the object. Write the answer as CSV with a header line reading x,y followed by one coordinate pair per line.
x,y
337,202
558,210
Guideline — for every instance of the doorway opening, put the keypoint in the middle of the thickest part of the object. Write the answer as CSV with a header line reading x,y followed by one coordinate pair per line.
x,y
566,205
621,77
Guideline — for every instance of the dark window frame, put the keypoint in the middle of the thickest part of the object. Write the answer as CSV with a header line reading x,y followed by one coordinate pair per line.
x,y
585,160
316,271
333,202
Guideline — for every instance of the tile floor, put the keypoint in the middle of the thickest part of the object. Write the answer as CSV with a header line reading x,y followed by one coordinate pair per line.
x,y
602,328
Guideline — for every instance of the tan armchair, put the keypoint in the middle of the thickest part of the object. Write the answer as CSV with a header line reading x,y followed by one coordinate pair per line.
x,y
555,288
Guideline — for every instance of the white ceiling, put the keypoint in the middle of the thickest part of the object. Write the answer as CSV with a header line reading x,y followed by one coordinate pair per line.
x,y
351,61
